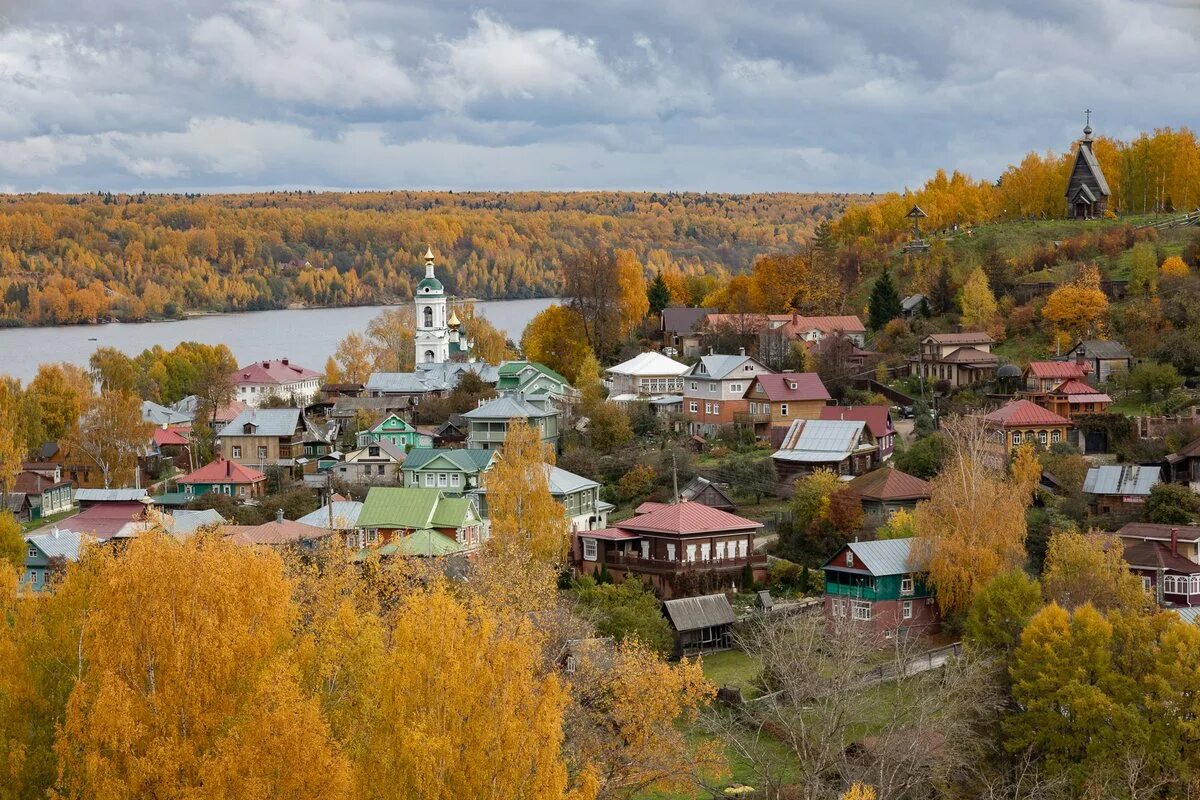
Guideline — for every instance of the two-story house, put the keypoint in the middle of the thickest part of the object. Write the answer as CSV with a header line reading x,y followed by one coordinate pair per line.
x,y
390,515
453,471
845,447
1041,377
579,497
263,437
1119,488
682,549
39,492
373,462
532,379
962,359
488,424
646,375
878,419
1102,358
714,390
394,430
1072,398
883,586
254,383
682,328
45,553
1020,422
775,401
224,477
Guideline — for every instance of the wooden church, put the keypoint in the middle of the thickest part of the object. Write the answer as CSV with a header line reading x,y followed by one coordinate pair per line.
x,y
1087,191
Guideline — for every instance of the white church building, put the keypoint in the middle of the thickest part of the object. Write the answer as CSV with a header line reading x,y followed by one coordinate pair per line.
x,y
439,339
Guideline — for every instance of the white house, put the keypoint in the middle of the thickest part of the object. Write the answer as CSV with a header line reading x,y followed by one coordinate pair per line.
x,y
649,374
253,384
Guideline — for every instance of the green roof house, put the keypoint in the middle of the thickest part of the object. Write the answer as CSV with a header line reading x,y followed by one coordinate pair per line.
x,y
451,471
532,379
390,515
393,430
488,424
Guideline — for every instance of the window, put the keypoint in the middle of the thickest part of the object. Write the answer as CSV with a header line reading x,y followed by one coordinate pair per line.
x,y
570,666
1042,437
372,535
671,551
1056,436
748,368
783,409
691,553
429,479
860,610
735,387
443,479
693,407
1016,437
705,551
850,558
743,547
839,608
708,408
906,584
712,386
716,408
32,552
237,451
645,548
1146,587
720,550
906,610
589,549
693,385
373,451
262,452
455,479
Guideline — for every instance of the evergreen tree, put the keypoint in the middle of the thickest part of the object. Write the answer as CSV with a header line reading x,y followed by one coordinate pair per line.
x,y
941,298
823,244
885,302
659,295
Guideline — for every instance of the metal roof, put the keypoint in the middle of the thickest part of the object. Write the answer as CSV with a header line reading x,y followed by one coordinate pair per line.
x,y
820,440
688,518
887,483
414,508
649,363
109,495
717,366
508,407
1102,349
1126,479
345,515
471,461
161,415
886,556
59,543
267,422
693,613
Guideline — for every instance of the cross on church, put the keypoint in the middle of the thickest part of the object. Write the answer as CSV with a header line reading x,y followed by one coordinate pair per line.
x,y
1089,116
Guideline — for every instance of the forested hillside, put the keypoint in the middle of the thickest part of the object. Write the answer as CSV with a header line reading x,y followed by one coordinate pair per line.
x,y
80,258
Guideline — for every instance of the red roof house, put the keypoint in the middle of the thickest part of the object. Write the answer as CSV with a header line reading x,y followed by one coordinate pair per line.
x,y
1023,422
682,549
775,401
256,382
1042,376
105,520
224,477
170,437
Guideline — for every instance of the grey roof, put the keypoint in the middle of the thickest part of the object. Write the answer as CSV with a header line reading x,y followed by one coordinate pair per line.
x,y
429,377
1089,158
509,406
886,556
189,405
820,440
680,319
693,613
1187,613
1101,348
108,495
466,460
912,301
349,406
451,371
388,449
161,415
717,366
696,486
345,515
1124,479
269,422
182,522
58,543
1085,192
563,482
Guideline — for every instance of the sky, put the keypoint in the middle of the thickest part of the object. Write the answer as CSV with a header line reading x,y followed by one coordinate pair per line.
x,y
704,95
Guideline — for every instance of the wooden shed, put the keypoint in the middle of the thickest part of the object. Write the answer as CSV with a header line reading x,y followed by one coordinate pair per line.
x,y
701,624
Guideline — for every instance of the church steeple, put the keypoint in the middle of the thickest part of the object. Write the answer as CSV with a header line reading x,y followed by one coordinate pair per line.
x,y
429,262
1086,141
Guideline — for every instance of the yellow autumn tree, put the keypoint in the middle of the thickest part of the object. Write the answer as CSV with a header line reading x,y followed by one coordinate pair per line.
x,y
859,791
1026,471
1090,568
12,439
1174,267
555,337
180,654
1077,310
972,527
333,373
356,358
625,722
977,302
633,304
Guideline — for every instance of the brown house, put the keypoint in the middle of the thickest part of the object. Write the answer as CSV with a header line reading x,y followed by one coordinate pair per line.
x,y
1022,422
1071,398
681,550
962,359
76,467
775,401
263,437
885,491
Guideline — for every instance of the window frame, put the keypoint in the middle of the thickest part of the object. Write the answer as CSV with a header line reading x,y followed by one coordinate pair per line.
x,y
591,550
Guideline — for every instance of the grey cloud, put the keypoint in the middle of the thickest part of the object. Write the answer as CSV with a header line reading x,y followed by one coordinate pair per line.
x,y
697,94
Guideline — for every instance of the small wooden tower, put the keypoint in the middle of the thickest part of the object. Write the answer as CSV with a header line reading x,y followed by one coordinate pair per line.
x,y
1087,190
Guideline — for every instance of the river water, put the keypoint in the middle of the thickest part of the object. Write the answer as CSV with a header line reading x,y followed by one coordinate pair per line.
x,y
306,336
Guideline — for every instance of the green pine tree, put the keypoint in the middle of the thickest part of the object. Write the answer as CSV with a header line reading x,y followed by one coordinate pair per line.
x,y
941,297
885,302
823,245
747,578
658,294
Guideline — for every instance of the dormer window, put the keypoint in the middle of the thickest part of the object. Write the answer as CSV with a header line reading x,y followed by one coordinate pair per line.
x,y
792,385
849,558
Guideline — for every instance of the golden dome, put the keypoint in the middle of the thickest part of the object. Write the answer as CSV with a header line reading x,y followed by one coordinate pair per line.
x,y
454,321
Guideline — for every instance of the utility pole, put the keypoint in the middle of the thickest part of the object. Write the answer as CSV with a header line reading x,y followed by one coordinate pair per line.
x,y
674,477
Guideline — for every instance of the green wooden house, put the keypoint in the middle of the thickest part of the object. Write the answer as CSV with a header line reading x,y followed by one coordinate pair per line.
x,y
452,471
881,586
390,515
393,430
532,378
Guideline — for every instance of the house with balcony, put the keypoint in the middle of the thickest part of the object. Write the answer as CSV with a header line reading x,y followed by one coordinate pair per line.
x,y
714,390
680,549
644,376
224,477
265,437
878,419
453,471
775,401
1072,398
1041,377
882,586
1166,573
394,430
961,359
254,383
488,424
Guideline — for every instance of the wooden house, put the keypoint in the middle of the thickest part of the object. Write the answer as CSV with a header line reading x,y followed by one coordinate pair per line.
x,y
394,430
1183,466
714,391
885,491
681,329
391,514
845,447
1119,488
263,437
880,585
775,401
1102,358
224,477
47,553
1020,422
701,624
878,419
961,359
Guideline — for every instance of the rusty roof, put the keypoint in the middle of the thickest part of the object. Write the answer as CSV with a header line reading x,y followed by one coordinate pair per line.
x,y
688,518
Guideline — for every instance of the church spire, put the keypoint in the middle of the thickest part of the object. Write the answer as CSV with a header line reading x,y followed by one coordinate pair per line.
x,y
428,262
1087,126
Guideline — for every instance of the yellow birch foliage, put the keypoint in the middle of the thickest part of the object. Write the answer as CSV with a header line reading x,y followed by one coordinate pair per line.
x,y
1090,569
625,722
356,358
971,529
1077,309
978,303
556,337
1026,471
1174,267
633,304
180,651
859,791
12,444
523,512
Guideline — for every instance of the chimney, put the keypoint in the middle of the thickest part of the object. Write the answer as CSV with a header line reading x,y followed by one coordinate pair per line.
x,y
1174,541
279,515
741,351
266,365
711,351
283,361
1079,357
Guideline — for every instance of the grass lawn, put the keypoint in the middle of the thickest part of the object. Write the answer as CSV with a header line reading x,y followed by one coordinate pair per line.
x,y
733,668
26,527
1132,404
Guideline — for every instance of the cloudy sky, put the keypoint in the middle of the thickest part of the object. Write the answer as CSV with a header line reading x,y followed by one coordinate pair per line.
x,y
719,95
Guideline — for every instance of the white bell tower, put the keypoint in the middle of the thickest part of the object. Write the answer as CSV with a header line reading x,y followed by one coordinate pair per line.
x,y
432,332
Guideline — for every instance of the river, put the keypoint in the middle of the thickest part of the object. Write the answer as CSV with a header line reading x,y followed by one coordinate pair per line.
x,y
307,336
